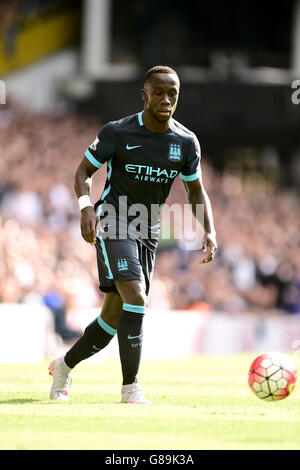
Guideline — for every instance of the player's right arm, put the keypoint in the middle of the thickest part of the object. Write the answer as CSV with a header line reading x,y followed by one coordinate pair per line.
x,y
82,187
98,153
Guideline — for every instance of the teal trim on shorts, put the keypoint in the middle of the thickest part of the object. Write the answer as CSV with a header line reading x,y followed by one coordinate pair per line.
x,y
134,308
106,260
92,159
109,329
192,177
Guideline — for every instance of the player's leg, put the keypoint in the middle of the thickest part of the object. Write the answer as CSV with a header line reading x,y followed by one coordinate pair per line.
x,y
123,265
130,333
96,336
130,328
130,336
99,333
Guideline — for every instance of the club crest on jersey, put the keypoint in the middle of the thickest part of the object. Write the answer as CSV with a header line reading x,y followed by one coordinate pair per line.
x,y
175,154
122,264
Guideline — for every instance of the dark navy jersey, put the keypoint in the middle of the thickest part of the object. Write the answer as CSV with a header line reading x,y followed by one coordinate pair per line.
x,y
142,165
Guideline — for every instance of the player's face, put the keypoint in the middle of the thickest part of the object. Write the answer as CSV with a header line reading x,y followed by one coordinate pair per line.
x,y
160,95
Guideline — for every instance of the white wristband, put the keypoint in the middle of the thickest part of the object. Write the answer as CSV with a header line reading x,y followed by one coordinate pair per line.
x,y
84,201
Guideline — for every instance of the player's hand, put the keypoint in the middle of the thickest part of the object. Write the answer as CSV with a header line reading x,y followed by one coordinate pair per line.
x,y
89,224
209,246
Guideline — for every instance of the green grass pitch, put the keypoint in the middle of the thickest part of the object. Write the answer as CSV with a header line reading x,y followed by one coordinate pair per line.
x,y
200,403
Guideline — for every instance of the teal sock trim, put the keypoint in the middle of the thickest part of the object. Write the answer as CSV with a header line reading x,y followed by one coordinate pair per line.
x,y
134,308
106,327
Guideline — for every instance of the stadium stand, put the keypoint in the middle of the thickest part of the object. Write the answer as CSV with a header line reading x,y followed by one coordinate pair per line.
x,y
44,260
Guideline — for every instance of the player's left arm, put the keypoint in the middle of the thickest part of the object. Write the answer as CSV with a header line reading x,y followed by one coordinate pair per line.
x,y
198,195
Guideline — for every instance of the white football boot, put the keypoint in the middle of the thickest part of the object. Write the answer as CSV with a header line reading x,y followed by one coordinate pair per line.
x,y
132,393
61,379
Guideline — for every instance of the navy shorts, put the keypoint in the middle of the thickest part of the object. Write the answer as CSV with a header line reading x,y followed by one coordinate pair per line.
x,y
123,260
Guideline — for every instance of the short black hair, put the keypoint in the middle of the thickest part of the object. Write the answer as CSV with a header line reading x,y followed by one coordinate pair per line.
x,y
159,69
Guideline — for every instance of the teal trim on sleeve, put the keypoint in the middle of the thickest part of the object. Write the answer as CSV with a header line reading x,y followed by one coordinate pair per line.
x,y
134,308
192,177
92,159
111,331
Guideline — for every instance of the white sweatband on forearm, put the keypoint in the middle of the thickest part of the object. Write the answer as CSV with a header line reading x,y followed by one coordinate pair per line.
x,y
84,201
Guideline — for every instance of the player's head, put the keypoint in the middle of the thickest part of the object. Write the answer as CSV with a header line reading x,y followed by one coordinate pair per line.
x,y
160,92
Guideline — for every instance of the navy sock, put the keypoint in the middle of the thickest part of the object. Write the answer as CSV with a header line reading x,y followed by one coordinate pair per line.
x,y
130,334
96,336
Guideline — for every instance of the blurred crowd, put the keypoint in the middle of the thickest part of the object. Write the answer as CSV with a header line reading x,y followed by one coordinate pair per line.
x,y
45,260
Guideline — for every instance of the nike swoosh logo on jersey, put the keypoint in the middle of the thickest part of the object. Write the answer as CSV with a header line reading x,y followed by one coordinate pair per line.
x,y
132,337
130,147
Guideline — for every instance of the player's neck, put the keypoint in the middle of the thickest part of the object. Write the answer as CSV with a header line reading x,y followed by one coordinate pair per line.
x,y
153,124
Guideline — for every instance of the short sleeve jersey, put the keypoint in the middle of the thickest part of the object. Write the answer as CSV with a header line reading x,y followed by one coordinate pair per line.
x,y
142,165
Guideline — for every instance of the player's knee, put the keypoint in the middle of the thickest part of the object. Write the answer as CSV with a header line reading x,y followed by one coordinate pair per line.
x,y
137,298
140,300
133,293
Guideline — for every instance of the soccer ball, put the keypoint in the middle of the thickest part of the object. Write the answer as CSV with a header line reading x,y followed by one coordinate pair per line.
x,y
272,376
